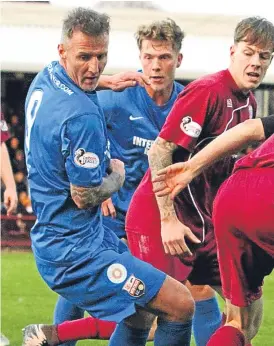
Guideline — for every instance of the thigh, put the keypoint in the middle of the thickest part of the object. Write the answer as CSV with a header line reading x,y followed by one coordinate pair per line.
x,y
173,301
240,236
143,229
149,248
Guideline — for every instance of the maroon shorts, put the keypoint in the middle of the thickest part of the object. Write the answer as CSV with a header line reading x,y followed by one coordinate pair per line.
x,y
144,238
244,229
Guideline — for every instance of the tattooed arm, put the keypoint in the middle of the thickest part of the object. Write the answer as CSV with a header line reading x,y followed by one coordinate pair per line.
x,y
160,155
89,197
173,232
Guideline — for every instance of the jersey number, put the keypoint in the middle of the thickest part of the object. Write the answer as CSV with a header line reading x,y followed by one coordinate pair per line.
x,y
32,109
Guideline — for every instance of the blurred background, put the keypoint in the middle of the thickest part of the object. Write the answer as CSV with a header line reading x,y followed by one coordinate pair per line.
x,y
29,34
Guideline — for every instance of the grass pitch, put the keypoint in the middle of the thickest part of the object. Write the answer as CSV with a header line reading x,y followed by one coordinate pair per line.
x,y
26,299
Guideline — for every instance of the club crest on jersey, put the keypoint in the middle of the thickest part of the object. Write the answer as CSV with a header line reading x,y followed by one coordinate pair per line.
x,y
250,110
229,103
117,273
134,286
190,127
86,159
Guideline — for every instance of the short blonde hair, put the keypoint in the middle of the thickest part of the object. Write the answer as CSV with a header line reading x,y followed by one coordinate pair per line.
x,y
164,30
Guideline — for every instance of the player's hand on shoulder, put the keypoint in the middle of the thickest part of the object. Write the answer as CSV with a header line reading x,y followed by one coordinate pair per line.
x,y
108,208
123,80
118,166
173,179
175,236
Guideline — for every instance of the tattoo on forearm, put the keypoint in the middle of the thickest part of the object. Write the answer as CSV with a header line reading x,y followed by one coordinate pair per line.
x,y
160,157
89,197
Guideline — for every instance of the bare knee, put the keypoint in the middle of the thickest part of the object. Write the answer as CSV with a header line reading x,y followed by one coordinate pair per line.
x,y
200,292
173,302
185,308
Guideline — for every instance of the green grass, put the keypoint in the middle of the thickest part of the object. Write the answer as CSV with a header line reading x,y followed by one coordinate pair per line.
x,y
26,299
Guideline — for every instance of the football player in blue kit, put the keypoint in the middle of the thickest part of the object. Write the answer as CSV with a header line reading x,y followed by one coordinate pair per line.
x,y
134,118
70,175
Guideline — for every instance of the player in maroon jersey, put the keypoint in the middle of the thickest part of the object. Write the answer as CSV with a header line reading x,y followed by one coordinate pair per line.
x,y
177,236
10,194
243,222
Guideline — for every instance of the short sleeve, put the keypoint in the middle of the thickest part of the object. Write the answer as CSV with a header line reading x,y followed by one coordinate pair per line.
x,y
268,124
185,122
83,148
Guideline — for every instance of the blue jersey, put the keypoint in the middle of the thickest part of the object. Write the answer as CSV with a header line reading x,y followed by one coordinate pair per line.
x,y
66,143
133,122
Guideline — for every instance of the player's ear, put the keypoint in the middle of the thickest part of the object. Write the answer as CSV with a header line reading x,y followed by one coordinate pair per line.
x,y
232,52
179,60
62,51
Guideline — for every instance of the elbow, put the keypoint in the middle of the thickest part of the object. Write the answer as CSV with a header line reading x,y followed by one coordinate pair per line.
x,y
83,198
81,203
253,128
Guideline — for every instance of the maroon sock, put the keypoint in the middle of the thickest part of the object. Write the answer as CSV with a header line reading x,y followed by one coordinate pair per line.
x,y
105,329
227,336
84,328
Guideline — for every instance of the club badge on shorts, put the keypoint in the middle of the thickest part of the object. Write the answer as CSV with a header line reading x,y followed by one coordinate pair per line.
x,y
86,159
134,286
190,127
116,273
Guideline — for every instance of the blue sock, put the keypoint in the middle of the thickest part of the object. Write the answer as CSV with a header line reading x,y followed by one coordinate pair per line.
x,y
172,333
207,319
126,335
66,311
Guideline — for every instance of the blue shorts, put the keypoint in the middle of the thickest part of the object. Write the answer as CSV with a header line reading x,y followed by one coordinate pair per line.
x,y
107,284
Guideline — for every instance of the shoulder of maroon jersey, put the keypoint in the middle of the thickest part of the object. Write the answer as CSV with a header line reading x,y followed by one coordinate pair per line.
x,y
212,81
213,78
208,87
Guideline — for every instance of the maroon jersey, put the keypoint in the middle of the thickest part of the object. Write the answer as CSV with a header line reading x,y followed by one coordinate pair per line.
x,y
260,157
4,129
204,109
